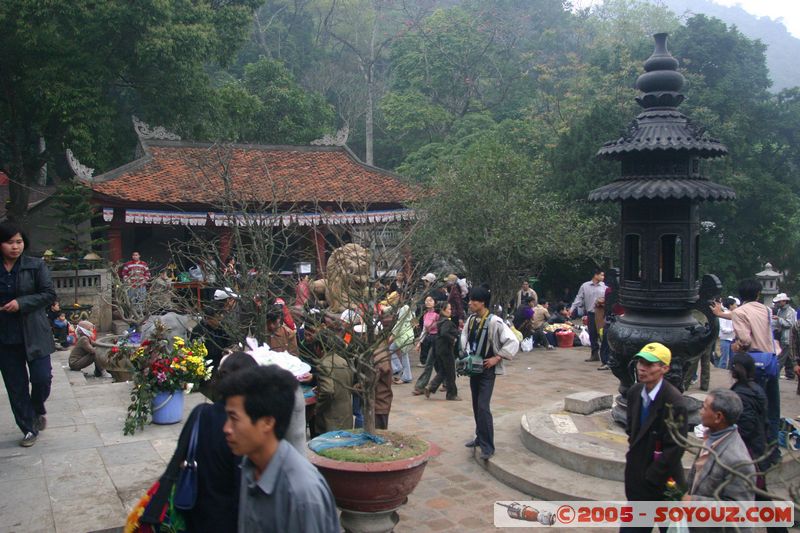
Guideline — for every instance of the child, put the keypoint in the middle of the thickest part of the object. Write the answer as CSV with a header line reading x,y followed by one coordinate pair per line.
x,y
58,321
84,353
64,329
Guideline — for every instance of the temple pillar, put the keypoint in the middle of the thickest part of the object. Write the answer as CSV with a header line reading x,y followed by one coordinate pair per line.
x,y
407,263
114,234
320,246
225,239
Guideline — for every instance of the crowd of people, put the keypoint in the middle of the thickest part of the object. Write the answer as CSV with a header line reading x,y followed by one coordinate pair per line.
x,y
255,429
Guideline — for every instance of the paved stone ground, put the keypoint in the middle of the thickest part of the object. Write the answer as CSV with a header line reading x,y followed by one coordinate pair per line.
x,y
84,475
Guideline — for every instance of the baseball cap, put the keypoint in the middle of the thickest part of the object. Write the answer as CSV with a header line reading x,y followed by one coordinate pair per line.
x,y
655,352
430,277
224,294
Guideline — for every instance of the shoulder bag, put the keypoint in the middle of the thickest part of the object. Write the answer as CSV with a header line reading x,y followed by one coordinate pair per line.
x,y
161,506
186,484
766,362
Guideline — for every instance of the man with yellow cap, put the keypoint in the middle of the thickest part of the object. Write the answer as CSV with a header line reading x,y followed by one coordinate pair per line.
x,y
653,455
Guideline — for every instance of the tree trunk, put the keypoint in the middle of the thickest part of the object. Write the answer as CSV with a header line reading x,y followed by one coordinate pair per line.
x,y
18,194
370,73
76,283
369,120
368,409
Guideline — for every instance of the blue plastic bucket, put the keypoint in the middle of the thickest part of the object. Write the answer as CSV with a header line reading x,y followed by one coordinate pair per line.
x,y
168,407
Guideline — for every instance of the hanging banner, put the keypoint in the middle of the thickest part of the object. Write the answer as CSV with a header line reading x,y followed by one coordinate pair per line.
x,y
174,218
180,218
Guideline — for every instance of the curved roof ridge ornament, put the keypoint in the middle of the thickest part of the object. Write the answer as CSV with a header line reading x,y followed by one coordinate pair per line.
x,y
146,133
340,139
82,172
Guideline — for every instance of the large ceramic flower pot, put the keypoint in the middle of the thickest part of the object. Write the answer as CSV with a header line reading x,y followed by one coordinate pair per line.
x,y
370,493
120,369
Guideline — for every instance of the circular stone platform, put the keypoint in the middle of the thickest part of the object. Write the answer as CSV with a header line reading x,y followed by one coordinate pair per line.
x,y
590,444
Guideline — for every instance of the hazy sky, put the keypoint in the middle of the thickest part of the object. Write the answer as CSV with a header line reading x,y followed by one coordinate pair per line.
x,y
789,10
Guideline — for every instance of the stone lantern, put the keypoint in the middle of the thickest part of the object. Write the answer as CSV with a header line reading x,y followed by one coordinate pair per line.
x,y
769,283
660,189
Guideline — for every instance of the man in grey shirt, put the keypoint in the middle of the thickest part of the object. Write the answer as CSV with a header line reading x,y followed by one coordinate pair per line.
x,y
587,299
280,491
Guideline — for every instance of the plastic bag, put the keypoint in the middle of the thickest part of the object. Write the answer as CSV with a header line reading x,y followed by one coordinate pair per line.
x,y
196,274
526,345
584,337
342,439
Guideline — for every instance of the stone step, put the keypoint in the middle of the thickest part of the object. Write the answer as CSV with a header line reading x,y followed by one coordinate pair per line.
x,y
551,468
588,457
519,468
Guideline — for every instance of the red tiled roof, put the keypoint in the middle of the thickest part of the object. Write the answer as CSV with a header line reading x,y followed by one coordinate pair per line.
x,y
179,172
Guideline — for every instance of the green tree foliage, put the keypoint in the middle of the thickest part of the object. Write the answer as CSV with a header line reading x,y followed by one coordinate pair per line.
x,y
728,93
472,59
72,72
283,30
268,106
438,90
361,32
492,211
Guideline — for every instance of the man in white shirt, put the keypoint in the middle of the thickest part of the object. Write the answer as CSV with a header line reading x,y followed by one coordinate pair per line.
x,y
726,334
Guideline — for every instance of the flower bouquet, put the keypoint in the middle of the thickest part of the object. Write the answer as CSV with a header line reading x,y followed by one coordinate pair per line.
x,y
162,365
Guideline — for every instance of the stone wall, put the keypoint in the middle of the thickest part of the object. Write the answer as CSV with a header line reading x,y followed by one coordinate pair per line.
x,y
94,287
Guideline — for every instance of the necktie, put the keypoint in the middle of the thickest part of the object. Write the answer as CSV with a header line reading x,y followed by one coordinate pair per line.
x,y
644,412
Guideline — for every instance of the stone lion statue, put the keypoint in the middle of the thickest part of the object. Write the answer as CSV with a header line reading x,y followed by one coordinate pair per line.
x,y
347,281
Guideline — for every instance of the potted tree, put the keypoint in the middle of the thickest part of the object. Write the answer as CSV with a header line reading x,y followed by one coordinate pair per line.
x,y
370,481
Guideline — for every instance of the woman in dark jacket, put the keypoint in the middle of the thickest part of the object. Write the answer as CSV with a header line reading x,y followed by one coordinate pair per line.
x,y
444,351
26,339
217,504
752,422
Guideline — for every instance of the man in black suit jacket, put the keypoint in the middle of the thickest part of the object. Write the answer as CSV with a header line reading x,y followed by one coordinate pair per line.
x,y
653,455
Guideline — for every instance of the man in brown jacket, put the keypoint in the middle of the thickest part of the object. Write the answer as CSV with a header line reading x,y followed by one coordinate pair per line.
x,y
541,314
334,407
383,389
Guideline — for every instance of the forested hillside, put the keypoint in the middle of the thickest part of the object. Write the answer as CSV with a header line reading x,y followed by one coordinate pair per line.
x,y
498,105
783,48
